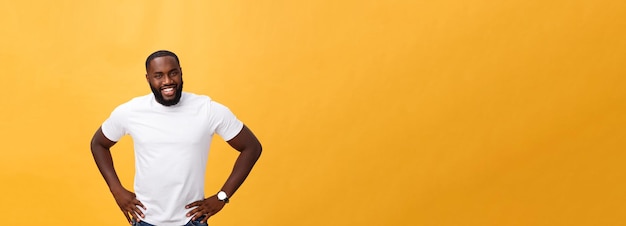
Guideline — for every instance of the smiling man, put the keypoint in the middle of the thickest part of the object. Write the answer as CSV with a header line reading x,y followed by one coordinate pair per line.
x,y
172,132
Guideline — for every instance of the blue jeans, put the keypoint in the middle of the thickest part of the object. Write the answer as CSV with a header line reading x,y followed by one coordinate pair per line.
x,y
190,223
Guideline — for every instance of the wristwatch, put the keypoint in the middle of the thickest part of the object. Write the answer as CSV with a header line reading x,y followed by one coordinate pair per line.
x,y
222,196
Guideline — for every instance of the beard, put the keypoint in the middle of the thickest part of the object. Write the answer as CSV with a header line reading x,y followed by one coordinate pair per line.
x,y
159,97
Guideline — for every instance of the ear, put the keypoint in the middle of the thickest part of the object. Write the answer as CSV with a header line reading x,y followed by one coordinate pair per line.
x,y
147,79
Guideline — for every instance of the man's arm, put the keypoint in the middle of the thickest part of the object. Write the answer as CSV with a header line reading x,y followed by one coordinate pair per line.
x,y
249,152
101,151
249,149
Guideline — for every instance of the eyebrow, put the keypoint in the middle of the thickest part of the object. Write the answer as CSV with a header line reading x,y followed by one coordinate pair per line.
x,y
160,72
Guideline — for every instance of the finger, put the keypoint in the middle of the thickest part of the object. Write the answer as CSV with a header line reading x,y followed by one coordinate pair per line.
x,y
196,203
127,217
200,216
135,216
138,203
206,218
193,212
138,211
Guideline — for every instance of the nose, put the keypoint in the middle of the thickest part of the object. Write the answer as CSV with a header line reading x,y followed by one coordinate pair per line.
x,y
167,80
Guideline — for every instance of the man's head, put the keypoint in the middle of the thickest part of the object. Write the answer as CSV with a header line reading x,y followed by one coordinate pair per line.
x,y
165,77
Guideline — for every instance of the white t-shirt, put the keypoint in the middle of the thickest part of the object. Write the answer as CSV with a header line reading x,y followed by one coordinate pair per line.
x,y
171,149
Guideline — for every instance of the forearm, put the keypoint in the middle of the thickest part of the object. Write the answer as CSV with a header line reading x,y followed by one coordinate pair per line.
x,y
243,165
104,161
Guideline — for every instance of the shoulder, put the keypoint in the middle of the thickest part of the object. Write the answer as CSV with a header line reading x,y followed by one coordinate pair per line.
x,y
196,101
133,104
194,98
213,107
219,110
203,101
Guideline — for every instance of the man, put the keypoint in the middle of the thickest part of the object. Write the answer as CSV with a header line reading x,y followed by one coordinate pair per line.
x,y
172,132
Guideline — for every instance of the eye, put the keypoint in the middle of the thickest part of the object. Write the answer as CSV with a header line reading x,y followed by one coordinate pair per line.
x,y
158,75
174,73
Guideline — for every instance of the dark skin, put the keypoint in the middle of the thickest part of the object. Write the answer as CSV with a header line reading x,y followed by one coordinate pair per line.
x,y
164,72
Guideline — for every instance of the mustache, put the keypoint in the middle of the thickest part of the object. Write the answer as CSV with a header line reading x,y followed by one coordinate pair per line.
x,y
159,97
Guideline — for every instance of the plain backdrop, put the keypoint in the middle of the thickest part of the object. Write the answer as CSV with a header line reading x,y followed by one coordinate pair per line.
x,y
415,112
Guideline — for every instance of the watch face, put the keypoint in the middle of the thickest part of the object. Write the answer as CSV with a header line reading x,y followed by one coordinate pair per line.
x,y
221,195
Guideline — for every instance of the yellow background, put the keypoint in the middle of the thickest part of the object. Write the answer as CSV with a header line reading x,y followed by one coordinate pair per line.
x,y
452,112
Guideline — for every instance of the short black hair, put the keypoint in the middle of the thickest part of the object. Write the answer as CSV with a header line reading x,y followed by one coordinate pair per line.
x,y
161,53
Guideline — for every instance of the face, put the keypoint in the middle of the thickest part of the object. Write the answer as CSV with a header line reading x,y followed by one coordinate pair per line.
x,y
166,80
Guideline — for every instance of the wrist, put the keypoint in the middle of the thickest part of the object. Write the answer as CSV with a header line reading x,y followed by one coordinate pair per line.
x,y
222,196
117,189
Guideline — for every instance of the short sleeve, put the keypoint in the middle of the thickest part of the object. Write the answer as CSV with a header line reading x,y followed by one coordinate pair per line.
x,y
113,127
228,126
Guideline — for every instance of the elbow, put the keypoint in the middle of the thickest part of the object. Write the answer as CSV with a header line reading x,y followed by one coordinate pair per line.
x,y
258,149
93,144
